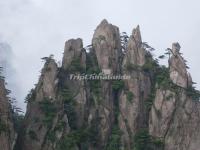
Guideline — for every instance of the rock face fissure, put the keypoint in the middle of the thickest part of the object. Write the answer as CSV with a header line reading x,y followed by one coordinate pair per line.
x,y
157,108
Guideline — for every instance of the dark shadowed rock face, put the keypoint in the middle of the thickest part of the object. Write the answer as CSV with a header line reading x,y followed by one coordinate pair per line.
x,y
155,109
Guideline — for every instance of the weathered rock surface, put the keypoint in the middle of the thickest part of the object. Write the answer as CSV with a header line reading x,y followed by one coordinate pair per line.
x,y
44,112
178,72
174,116
73,50
135,52
107,48
133,114
74,61
106,43
7,132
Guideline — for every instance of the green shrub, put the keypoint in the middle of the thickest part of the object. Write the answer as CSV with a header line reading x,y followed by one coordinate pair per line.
x,y
76,65
193,93
74,138
142,140
117,85
170,96
60,125
49,110
101,37
92,68
131,67
18,121
81,137
3,127
69,106
158,142
149,101
129,96
93,132
31,96
69,109
32,135
150,65
95,86
92,64
163,77
147,67
67,143
114,142
51,136
67,95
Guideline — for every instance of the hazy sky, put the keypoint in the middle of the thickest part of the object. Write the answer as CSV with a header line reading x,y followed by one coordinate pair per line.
x,y
37,28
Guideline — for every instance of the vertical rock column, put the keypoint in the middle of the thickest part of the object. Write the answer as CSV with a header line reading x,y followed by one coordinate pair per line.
x,y
133,114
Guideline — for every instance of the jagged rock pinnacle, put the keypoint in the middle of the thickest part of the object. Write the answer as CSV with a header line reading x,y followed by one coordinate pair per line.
x,y
136,34
103,22
135,54
47,82
178,71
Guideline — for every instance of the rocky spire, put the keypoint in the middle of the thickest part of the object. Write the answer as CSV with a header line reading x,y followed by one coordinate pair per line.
x,y
137,35
107,46
48,81
178,71
135,54
133,114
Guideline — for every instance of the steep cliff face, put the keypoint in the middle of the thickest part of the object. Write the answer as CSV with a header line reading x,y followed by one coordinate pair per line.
x,y
156,108
7,133
175,113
